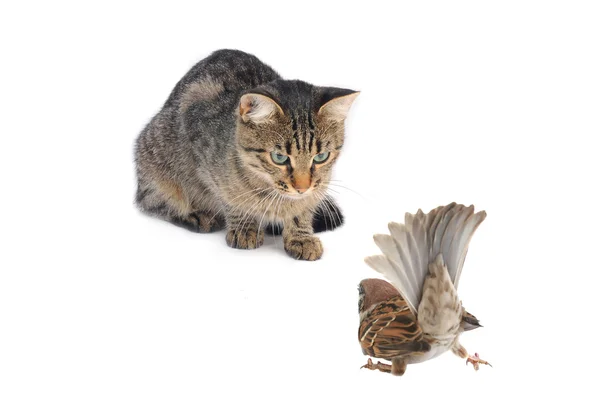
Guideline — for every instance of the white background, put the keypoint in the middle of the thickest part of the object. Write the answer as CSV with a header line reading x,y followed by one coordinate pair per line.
x,y
495,104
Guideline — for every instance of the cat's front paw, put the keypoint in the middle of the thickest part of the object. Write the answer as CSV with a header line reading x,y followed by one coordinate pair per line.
x,y
304,248
245,239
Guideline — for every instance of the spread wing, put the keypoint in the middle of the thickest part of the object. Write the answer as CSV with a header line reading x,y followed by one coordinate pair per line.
x,y
405,257
449,231
391,330
411,247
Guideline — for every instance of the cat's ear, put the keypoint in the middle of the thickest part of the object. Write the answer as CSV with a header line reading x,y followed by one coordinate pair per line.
x,y
258,108
335,103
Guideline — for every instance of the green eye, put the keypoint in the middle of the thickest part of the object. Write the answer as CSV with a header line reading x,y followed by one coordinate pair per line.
x,y
278,158
321,157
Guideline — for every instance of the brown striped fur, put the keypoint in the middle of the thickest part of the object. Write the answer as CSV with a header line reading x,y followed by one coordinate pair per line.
x,y
205,161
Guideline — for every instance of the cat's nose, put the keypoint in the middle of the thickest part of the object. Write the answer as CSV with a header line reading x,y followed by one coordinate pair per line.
x,y
301,183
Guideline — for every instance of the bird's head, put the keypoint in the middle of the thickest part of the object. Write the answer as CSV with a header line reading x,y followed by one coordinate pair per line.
x,y
373,291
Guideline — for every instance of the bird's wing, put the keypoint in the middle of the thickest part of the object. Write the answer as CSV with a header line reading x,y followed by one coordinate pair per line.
x,y
412,246
391,330
449,231
405,257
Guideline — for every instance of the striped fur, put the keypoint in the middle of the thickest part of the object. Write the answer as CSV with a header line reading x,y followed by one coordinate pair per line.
x,y
204,162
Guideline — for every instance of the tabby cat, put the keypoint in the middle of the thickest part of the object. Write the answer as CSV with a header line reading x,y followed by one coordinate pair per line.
x,y
237,147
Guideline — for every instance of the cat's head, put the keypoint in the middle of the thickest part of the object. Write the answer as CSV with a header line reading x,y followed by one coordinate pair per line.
x,y
290,134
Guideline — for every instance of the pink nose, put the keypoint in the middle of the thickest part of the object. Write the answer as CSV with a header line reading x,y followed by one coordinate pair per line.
x,y
301,183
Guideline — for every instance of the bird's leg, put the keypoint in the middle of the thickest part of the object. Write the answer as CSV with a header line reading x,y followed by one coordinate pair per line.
x,y
398,366
379,366
474,359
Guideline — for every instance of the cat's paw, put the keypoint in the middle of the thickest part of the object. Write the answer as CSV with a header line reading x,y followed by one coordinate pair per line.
x,y
304,248
245,239
201,222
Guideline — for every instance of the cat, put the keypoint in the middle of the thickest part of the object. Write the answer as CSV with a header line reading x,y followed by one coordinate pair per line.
x,y
235,146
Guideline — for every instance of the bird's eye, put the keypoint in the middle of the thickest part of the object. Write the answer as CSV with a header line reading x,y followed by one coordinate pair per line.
x,y
279,159
321,157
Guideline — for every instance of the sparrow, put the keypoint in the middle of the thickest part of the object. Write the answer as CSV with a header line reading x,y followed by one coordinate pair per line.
x,y
417,315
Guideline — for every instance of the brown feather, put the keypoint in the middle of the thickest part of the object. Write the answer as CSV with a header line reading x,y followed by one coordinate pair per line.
x,y
390,330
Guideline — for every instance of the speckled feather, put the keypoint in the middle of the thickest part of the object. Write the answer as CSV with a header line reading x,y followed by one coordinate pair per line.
x,y
419,316
390,330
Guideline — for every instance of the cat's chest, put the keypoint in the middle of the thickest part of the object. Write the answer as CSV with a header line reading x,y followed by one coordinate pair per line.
x,y
271,206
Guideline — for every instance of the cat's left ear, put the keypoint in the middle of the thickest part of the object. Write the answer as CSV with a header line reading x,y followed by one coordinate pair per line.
x,y
258,108
335,103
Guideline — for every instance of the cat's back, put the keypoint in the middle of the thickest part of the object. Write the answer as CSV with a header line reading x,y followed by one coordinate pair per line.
x,y
226,70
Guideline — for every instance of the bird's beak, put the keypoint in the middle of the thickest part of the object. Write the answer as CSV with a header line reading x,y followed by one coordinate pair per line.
x,y
470,323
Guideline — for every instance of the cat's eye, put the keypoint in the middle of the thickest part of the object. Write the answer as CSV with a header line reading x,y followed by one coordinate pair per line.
x,y
279,159
321,157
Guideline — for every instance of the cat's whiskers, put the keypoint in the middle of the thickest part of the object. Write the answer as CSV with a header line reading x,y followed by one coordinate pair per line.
x,y
330,209
247,193
257,190
276,215
273,197
321,200
276,197
333,209
250,212
337,185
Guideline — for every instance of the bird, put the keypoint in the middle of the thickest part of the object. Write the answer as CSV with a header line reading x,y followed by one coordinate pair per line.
x,y
417,315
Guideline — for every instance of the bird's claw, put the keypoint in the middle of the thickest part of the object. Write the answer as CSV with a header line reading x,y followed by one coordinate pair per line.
x,y
379,366
475,360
